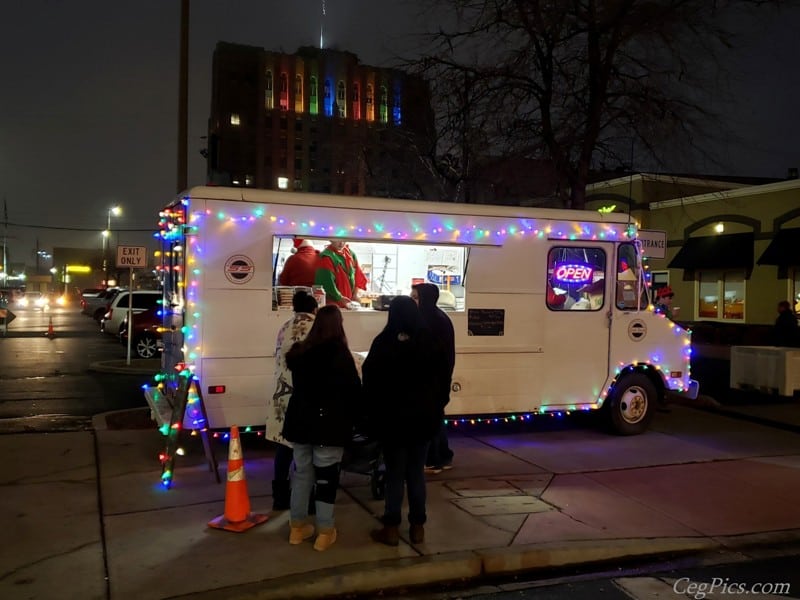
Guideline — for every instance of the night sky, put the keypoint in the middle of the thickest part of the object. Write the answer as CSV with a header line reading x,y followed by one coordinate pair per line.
x,y
88,107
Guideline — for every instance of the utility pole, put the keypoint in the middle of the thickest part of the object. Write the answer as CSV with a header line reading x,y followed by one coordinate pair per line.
x,y
5,239
183,97
322,27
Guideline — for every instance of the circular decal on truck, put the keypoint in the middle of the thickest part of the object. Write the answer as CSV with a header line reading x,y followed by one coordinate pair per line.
x,y
239,269
637,330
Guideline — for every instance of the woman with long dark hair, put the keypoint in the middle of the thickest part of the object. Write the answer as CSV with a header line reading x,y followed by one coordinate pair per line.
x,y
402,375
319,422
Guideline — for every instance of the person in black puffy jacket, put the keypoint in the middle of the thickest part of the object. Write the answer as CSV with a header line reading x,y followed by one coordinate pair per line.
x,y
440,456
402,374
319,422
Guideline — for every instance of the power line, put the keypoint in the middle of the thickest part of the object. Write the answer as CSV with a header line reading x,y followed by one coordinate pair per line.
x,y
91,229
5,237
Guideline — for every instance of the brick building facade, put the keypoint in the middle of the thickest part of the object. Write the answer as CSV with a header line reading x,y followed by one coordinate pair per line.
x,y
317,121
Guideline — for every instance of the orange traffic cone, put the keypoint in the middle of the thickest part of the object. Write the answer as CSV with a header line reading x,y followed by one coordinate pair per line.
x,y
237,516
50,331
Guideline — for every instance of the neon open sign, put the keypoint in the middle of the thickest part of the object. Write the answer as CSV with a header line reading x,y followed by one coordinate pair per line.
x,y
573,273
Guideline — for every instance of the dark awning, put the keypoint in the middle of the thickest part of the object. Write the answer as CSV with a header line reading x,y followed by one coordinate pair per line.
x,y
732,251
783,250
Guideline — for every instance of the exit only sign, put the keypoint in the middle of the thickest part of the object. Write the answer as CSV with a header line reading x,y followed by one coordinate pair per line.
x,y
131,257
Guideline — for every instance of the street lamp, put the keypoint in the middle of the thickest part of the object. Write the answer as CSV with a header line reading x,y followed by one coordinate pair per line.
x,y
116,211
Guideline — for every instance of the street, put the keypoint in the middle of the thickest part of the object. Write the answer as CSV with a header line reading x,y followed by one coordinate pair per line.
x,y
45,381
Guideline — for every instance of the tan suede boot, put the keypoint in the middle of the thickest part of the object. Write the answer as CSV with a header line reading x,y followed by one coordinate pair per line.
x,y
299,531
325,539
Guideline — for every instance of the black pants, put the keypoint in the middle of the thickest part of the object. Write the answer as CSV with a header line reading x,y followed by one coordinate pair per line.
x,y
282,462
439,453
405,468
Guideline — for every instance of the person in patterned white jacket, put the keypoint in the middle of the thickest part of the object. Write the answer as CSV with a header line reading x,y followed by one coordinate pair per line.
x,y
294,330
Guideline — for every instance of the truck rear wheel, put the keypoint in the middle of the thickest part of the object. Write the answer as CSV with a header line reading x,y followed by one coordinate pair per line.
x,y
631,404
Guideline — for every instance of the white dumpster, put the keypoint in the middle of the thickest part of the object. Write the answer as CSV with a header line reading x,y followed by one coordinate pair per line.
x,y
766,368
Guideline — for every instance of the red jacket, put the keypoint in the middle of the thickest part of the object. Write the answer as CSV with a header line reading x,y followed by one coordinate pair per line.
x,y
300,267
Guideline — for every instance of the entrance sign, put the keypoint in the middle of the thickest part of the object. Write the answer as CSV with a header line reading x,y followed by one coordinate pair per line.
x,y
654,243
131,257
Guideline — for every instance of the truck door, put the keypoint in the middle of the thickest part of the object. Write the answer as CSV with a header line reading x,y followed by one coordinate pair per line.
x,y
577,334
631,337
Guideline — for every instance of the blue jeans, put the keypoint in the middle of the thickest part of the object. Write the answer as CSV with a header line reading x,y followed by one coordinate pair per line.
x,y
308,461
405,467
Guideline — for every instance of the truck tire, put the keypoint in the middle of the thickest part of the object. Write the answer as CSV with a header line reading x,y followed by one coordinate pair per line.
x,y
631,404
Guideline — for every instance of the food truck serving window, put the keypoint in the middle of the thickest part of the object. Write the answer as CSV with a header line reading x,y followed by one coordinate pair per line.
x,y
576,278
380,271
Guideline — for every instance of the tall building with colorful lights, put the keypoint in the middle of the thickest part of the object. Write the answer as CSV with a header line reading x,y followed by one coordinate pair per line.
x,y
317,121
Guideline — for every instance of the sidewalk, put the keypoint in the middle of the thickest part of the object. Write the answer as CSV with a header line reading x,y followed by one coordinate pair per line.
x,y
86,504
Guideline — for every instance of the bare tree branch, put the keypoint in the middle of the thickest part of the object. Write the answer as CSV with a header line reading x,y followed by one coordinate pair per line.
x,y
574,81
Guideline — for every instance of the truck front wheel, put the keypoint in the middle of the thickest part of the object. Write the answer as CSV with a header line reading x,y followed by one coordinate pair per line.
x,y
631,404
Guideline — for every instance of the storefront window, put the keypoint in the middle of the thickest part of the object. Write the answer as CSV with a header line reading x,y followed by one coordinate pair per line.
x,y
390,270
576,278
708,296
733,295
721,295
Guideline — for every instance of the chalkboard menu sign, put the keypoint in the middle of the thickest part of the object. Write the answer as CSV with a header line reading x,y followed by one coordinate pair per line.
x,y
486,321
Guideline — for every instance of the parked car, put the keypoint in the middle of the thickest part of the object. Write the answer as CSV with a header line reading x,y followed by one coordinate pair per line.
x,y
97,306
146,340
87,292
34,301
142,300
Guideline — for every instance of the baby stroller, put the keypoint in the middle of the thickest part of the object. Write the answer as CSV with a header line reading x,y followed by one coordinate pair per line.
x,y
364,456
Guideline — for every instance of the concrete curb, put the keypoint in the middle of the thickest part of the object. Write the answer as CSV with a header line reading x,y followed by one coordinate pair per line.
x,y
753,540
766,421
359,578
514,559
364,578
133,415
99,422
138,366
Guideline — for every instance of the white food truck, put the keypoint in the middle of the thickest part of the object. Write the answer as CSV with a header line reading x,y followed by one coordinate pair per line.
x,y
550,307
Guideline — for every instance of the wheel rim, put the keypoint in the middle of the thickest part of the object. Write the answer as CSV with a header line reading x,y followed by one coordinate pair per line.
x,y
633,405
146,348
